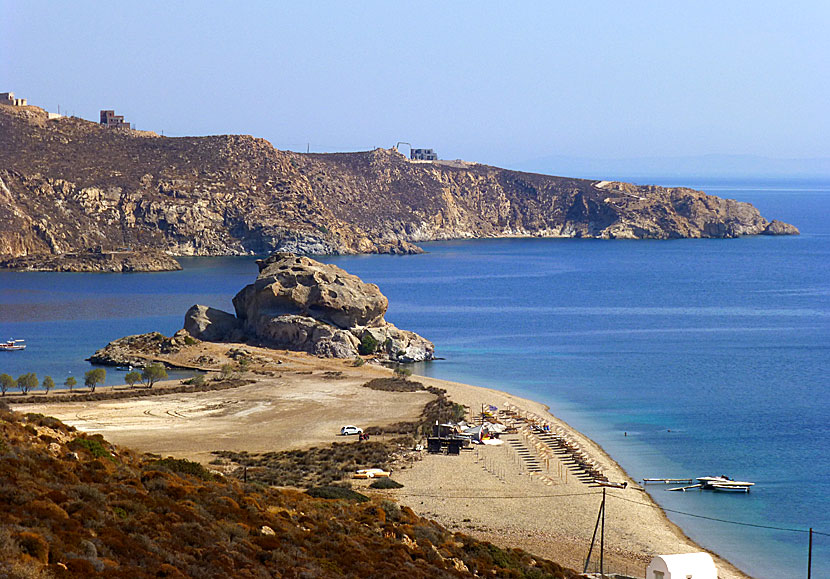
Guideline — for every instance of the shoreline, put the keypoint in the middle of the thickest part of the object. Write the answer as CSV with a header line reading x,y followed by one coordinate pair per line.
x,y
487,493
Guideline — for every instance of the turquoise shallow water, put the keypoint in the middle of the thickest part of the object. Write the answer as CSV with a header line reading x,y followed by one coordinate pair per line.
x,y
712,355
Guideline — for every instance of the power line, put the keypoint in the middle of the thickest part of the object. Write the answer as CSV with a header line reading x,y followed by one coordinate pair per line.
x,y
504,496
654,506
743,524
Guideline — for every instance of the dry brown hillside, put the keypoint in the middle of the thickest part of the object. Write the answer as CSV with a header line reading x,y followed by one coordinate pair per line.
x,y
68,184
73,505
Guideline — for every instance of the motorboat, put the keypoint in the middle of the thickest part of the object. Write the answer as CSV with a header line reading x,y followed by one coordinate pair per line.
x,y
724,483
12,345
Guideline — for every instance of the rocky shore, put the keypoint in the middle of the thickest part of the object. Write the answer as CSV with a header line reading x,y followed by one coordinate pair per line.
x,y
95,262
295,303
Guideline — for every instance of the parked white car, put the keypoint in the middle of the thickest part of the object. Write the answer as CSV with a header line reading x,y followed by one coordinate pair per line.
x,y
350,429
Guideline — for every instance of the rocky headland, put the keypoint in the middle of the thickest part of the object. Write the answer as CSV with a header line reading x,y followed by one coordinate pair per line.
x,y
68,184
295,303
92,261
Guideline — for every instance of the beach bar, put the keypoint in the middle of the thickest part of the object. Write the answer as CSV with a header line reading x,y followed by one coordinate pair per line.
x,y
682,566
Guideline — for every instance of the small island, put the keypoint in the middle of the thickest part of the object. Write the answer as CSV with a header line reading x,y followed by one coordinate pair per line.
x,y
94,261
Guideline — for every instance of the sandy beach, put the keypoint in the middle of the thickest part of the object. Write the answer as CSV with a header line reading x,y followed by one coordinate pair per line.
x,y
299,401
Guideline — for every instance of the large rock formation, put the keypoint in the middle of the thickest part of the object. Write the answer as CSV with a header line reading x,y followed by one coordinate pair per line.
x,y
301,304
68,184
211,324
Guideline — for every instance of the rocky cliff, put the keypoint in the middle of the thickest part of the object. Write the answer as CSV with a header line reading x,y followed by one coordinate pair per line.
x,y
68,184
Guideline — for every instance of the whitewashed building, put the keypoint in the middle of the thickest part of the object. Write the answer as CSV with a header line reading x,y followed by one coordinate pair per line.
x,y
685,566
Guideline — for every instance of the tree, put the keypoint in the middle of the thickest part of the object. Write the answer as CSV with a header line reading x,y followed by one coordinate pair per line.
x,y
401,372
70,382
132,377
27,382
368,344
48,384
153,373
6,383
94,377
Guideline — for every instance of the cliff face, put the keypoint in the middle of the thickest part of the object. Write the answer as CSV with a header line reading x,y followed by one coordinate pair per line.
x,y
69,184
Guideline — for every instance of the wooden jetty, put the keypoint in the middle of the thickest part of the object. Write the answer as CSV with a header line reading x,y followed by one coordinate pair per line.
x,y
667,481
684,489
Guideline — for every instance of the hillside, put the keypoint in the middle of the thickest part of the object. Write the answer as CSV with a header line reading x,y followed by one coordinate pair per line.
x,y
68,184
72,505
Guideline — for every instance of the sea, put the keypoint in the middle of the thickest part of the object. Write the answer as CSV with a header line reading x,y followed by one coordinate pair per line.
x,y
682,358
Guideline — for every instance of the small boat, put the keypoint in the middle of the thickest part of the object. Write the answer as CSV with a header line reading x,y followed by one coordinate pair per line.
x,y
12,345
731,488
724,483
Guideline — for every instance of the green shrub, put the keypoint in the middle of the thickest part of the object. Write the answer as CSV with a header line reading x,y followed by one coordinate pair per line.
x,y
358,362
368,344
385,483
182,466
330,492
95,447
196,380
190,340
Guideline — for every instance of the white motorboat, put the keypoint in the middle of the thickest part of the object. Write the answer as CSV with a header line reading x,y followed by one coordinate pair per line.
x,y
724,483
12,345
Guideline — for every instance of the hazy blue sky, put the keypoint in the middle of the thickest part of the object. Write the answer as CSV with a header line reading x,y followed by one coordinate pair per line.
x,y
495,82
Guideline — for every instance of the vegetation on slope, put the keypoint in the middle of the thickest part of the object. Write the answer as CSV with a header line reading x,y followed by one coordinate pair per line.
x,y
73,505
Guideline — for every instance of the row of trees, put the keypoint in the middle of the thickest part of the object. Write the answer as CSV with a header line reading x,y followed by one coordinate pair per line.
x,y
151,374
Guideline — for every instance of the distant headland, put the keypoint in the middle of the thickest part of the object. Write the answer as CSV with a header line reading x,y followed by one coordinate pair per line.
x,y
67,185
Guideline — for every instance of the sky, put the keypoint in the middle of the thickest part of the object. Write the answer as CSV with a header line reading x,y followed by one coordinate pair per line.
x,y
495,82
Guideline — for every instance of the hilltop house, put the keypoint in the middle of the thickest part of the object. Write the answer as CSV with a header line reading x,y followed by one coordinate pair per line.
x,y
7,98
423,155
110,119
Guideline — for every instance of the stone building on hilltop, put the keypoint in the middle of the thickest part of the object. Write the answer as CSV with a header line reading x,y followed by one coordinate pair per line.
x,y
7,98
110,119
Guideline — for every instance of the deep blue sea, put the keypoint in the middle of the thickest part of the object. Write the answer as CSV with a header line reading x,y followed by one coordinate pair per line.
x,y
713,356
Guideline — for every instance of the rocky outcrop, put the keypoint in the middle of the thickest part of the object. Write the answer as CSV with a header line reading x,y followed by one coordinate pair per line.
x,y
211,324
137,350
299,303
68,184
780,228
291,284
97,262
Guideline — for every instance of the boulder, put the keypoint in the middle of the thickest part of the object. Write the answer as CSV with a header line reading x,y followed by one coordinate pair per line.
x,y
308,335
780,228
301,304
395,344
296,285
210,324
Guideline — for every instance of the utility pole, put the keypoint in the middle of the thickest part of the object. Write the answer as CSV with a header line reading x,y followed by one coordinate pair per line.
x,y
810,555
602,538
601,527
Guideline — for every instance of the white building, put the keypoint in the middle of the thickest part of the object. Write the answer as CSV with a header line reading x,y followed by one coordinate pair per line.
x,y
422,155
685,566
7,98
